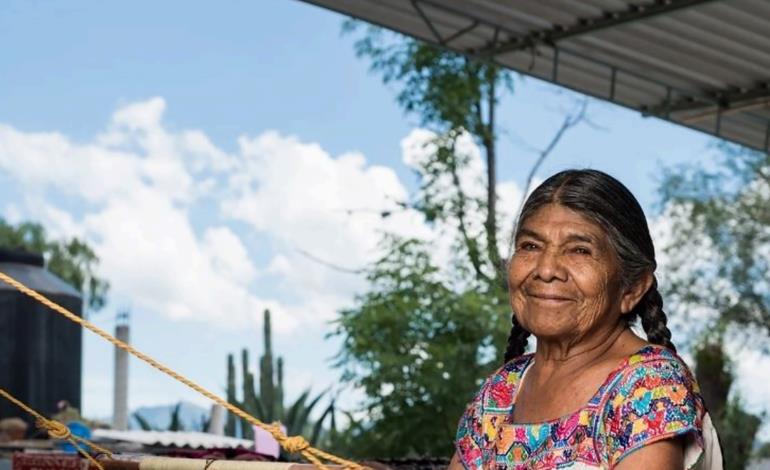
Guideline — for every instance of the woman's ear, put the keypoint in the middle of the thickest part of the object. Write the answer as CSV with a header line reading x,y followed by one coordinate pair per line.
x,y
634,293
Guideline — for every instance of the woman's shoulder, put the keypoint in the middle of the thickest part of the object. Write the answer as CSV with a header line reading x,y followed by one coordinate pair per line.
x,y
653,396
652,370
657,363
500,387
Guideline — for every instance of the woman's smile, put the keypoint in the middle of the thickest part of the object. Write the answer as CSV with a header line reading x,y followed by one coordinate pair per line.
x,y
547,297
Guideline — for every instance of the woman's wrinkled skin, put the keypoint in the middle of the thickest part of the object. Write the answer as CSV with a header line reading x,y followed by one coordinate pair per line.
x,y
565,288
564,280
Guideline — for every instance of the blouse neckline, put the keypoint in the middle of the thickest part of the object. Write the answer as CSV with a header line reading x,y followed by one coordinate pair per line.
x,y
595,398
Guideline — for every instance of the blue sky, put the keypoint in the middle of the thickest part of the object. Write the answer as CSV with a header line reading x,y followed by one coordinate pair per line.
x,y
216,141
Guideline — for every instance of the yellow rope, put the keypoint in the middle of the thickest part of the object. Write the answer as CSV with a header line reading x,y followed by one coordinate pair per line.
x,y
292,444
58,430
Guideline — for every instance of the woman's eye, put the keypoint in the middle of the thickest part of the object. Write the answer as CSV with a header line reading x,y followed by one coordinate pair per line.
x,y
581,250
527,246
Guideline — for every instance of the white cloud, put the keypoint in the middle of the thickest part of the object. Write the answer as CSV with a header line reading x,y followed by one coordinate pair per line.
x,y
141,116
49,160
228,255
151,254
316,207
138,188
135,187
134,191
510,195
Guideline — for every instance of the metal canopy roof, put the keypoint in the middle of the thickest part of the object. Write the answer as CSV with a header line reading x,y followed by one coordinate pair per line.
x,y
704,64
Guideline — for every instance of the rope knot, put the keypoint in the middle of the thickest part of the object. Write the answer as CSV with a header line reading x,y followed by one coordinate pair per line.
x,y
295,444
55,429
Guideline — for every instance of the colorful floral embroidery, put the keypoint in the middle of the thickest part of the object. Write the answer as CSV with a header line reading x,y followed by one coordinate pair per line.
x,y
651,396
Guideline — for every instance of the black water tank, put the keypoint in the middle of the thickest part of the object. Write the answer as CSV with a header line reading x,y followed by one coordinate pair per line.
x,y
40,350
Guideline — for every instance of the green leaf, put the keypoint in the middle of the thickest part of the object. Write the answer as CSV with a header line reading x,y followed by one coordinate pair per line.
x,y
73,260
143,423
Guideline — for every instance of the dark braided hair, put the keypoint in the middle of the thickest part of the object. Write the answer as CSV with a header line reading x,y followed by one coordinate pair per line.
x,y
517,340
605,200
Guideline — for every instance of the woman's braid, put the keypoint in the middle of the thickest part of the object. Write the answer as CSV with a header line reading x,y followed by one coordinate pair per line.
x,y
517,340
654,319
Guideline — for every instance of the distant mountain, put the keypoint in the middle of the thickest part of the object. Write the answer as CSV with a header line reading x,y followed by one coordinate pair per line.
x,y
191,416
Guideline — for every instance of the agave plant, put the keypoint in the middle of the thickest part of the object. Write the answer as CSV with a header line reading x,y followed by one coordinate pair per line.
x,y
175,421
144,425
268,404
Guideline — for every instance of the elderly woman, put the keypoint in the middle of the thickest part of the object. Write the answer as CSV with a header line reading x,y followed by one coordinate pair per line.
x,y
593,394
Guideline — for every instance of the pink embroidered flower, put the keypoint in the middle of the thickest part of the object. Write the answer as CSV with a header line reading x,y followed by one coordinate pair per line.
x,y
502,394
566,428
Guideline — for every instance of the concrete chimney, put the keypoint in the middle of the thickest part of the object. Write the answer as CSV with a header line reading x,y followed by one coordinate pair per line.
x,y
120,395
217,420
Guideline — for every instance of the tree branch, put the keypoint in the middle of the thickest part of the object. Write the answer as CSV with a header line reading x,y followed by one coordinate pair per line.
x,y
470,244
329,264
570,121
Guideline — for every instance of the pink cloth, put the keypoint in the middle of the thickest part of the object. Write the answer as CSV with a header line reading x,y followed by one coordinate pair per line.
x,y
265,444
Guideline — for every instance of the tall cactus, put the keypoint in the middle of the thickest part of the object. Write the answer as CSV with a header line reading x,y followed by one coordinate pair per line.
x,y
266,386
268,405
231,398
250,399
279,388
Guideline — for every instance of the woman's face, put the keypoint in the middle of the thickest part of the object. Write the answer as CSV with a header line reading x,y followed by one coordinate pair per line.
x,y
564,277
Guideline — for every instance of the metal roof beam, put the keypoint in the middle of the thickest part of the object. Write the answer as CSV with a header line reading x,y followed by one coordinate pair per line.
x,y
441,40
709,103
634,12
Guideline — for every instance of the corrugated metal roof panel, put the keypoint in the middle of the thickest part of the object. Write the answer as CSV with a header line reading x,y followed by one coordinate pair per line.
x,y
704,64
192,440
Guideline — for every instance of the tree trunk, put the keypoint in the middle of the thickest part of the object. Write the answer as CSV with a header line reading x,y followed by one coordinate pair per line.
x,y
488,140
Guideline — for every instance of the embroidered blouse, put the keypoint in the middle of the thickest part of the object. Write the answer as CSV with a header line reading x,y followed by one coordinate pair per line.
x,y
650,396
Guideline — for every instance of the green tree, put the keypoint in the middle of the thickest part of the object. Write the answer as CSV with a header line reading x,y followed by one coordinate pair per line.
x,y
719,255
450,93
737,428
72,260
720,238
418,350
422,336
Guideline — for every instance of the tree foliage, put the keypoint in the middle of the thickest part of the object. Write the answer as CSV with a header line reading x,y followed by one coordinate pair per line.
x,y
418,349
443,89
424,334
72,260
737,428
449,93
723,215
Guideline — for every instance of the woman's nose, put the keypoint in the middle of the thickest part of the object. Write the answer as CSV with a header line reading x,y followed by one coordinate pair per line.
x,y
549,267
